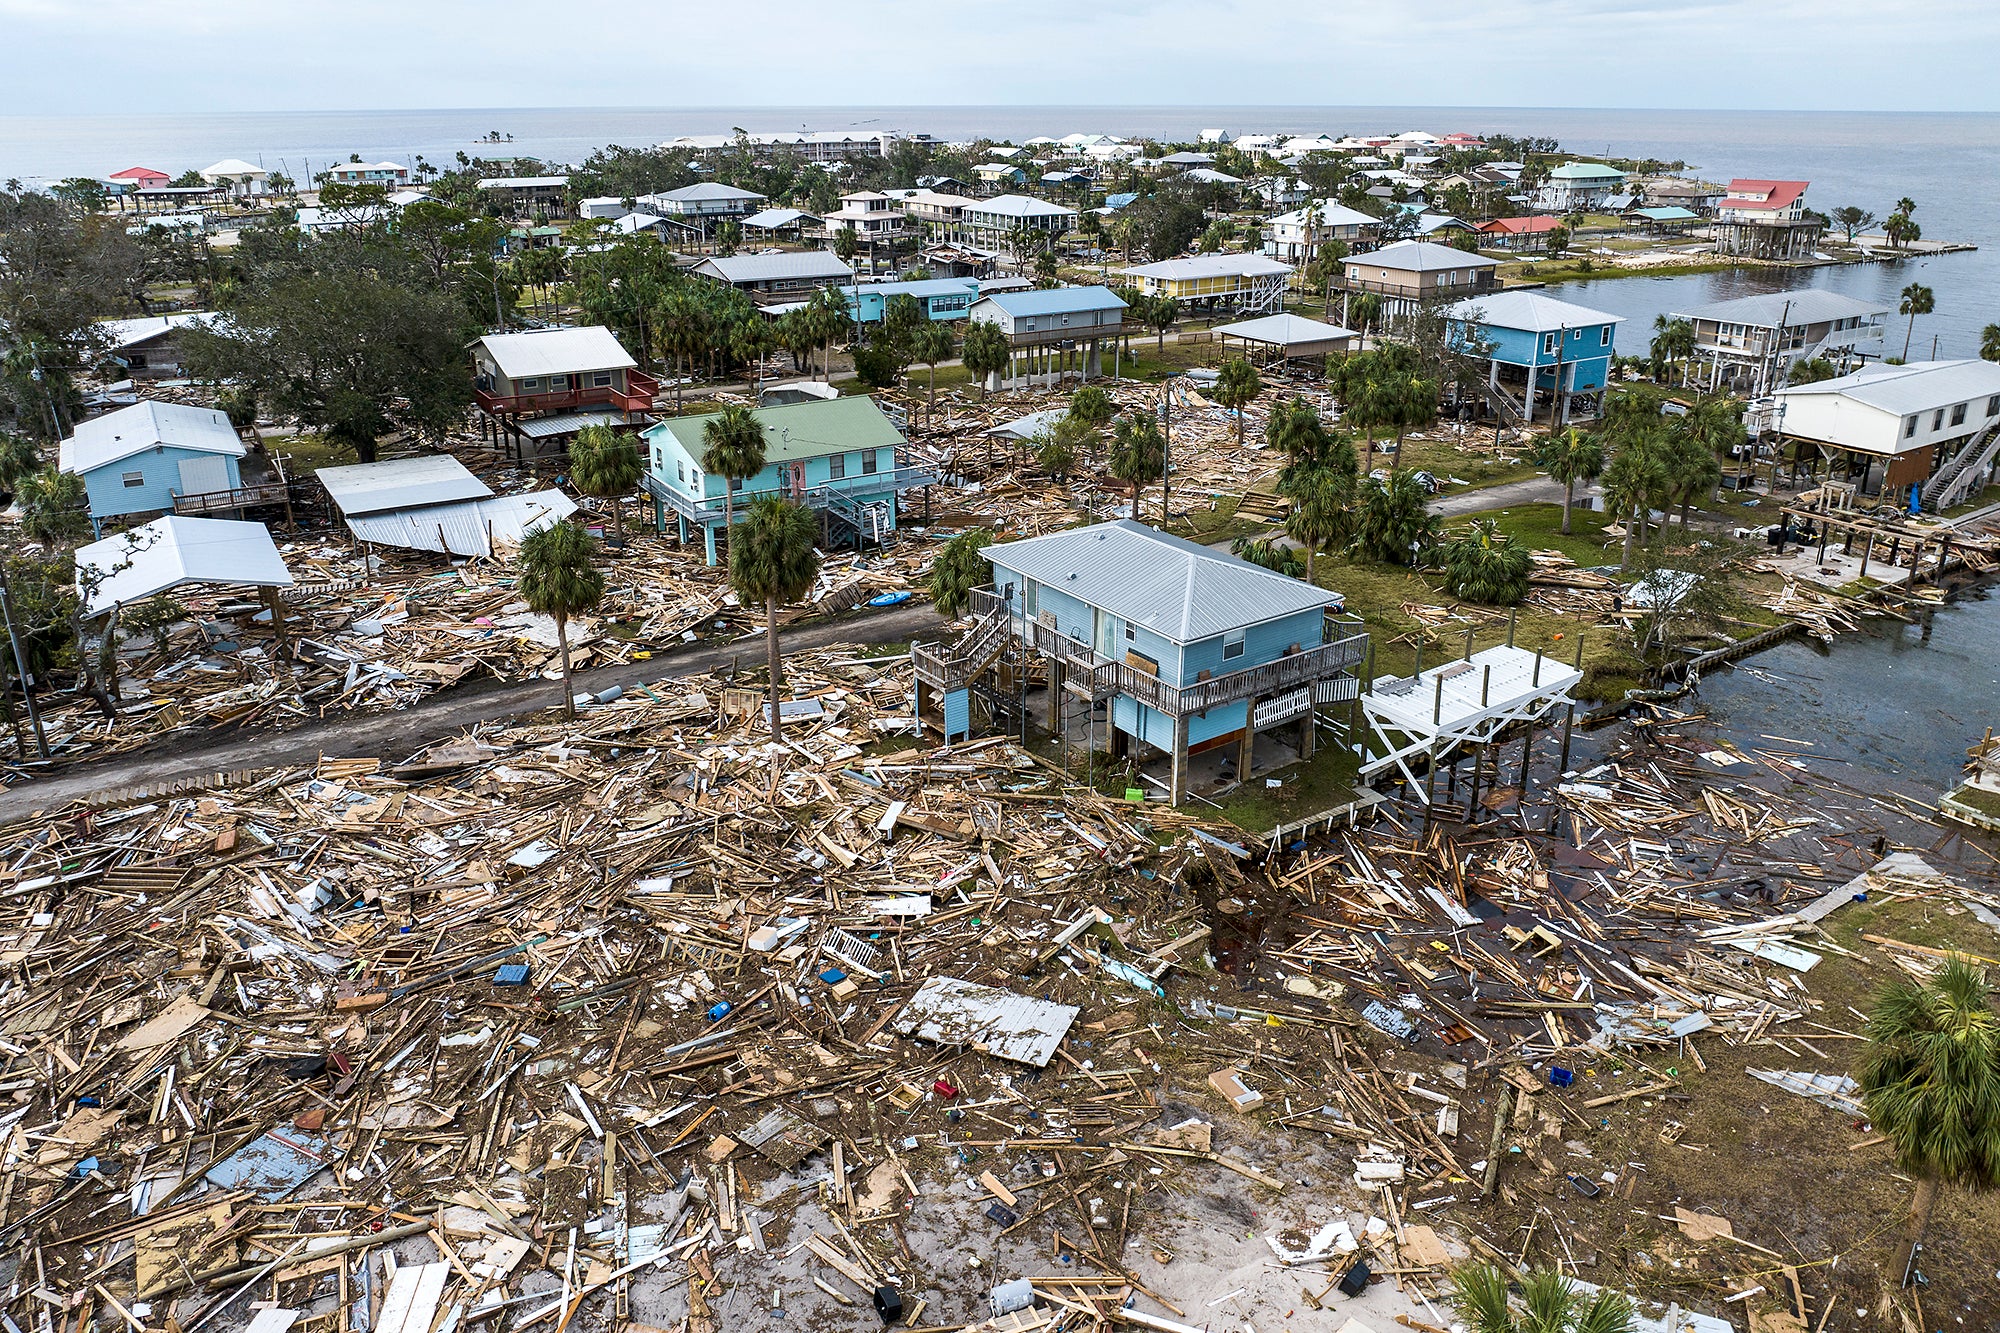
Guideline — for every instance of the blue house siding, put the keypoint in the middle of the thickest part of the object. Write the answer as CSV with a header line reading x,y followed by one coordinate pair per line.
x,y
159,481
678,469
941,298
1261,643
1587,348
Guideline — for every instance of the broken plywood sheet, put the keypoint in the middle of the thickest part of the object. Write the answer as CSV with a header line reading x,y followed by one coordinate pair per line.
x,y
1014,1027
165,1026
1836,1092
274,1164
783,1138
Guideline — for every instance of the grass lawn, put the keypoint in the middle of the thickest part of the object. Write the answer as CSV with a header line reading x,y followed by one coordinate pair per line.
x,y
1447,458
1321,783
308,451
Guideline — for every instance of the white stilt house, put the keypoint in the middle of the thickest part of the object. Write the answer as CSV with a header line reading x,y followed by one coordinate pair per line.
x,y
1463,704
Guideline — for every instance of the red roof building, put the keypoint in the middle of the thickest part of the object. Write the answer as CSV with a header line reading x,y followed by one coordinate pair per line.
x,y
1529,226
1763,201
1765,220
141,177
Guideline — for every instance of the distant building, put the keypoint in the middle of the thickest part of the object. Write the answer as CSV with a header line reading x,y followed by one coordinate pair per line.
x,y
871,216
1765,220
240,178
1935,424
1006,221
528,196
1695,196
1530,232
547,384
1739,345
1296,237
938,298
821,146
139,459
391,175
1539,351
1250,283
1053,332
786,276
1000,175
150,347
703,200
841,457
1579,187
1188,650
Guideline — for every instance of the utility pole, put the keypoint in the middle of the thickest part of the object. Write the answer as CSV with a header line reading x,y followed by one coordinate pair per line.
x,y
20,663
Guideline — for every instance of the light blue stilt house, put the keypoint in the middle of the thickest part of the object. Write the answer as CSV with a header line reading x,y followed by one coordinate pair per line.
x,y
1540,351
139,459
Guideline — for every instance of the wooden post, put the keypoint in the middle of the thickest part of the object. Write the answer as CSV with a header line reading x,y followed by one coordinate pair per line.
x,y
1178,792
1866,552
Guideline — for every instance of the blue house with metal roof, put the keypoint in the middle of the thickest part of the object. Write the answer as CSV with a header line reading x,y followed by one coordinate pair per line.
x,y
1539,351
1186,649
939,298
841,457
1053,331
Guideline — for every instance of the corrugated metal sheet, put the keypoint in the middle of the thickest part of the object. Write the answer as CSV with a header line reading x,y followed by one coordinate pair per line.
x,y
557,351
1014,1027
468,528
137,428
400,483
566,423
1175,588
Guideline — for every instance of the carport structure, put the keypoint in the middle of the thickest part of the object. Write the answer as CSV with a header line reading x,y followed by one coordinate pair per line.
x,y
1287,337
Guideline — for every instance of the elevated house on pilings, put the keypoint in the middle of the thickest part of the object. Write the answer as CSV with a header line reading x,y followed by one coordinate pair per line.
x,y
1539,352
1161,646
1934,425
543,386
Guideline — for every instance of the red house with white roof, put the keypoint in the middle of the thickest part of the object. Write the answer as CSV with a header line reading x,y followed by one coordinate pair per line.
x,y
1766,220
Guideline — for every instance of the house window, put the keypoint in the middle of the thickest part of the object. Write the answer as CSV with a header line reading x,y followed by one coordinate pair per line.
x,y
558,381
836,466
694,478
533,385
601,380
1232,646
1958,414
1131,634
1028,324
134,480
1549,343
1909,426
1937,419
869,463
1604,338
1993,406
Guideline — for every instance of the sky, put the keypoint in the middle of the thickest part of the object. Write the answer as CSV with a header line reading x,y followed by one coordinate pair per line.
x,y
76,57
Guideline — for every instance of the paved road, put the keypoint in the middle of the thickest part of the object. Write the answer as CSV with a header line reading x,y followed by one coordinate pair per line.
x,y
393,736
1534,490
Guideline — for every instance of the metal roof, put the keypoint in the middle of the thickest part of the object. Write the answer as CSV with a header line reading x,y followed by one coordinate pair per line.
x,y
799,430
918,287
1014,1027
1420,257
1175,588
232,166
557,351
467,527
1018,206
170,551
1918,387
400,483
1807,305
566,423
704,190
1530,311
1029,426
1286,331
1330,214
773,218
768,268
1056,300
1209,266
123,333
135,429
523,182
1585,171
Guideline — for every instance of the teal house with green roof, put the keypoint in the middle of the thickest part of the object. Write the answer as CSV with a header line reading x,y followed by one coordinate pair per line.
x,y
841,457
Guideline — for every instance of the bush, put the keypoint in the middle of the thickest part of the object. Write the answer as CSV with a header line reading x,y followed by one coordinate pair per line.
x,y
877,367
1486,565
1271,554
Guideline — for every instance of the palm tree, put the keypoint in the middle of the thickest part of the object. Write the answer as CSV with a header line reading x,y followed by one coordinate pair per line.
x,y
750,341
1395,522
985,352
1551,1304
772,560
1917,300
1989,343
52,507
1236,388
1092,406
1569,458
830,317
1364,309
1931,1079
558,580
605,465
681,333
958,569
732,448
1138,455
1162,312
1322,514
18,461
932,344
1633,480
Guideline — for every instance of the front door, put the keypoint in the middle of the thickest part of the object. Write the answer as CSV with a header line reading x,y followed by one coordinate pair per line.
x,y
799,481
1107,633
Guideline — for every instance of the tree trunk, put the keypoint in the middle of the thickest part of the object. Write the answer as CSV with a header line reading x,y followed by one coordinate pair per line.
x,y
1569,495
562,645
1135,501
1625,559
772,658
1311,551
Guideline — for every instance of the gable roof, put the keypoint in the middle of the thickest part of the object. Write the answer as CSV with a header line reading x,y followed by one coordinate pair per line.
x,y
1751,196
1055,300
1917,387
1421,257
173,550
400,483
1585,171
1330,214
773,218
1531,311
232,166
770,268
1806,305
1528,226
705,190
1286,330
1177,589
798,430
138,174
557,351
1018,206
135,429
123,333
1209,266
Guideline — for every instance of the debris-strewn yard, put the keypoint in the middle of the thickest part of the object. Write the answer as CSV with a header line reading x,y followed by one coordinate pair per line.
x,y
642,1019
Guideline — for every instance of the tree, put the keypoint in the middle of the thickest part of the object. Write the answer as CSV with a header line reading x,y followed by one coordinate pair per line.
x,y
1058,449
846,245
1161,314
1047,274
54,508
772,560
1673,340
1321,517
19,460
1569,458
958,569
1272,555
1364,309
1138,454
605,464
1236,388
1917,300
1815,371
559,580
1558,240
932,344
1092,406
830,317
1635,479
732,448
796,335
354,353
1550,1304
1930,1078
1396,525
1989,343
1900,227
681,331
984,352
1484,564
1852,220
1683,594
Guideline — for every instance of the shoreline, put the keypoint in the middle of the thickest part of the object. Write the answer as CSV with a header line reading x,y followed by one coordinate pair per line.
x,y
1563,273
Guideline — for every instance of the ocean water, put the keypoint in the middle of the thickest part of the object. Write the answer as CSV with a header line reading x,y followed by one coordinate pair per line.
x,y
1947,163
